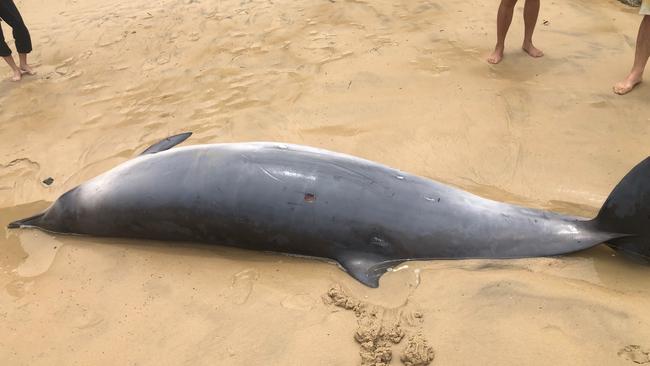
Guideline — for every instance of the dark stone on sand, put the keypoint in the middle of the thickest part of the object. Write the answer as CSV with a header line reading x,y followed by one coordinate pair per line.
x,y
636,3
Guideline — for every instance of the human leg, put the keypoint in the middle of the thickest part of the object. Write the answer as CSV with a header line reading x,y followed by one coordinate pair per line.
x,y
504,19
531,13
640,59
5,53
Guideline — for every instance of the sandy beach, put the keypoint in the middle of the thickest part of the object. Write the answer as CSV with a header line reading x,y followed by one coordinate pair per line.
x,y
400,82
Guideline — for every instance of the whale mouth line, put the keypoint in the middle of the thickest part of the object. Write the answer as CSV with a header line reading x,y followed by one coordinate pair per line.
x,y
25,222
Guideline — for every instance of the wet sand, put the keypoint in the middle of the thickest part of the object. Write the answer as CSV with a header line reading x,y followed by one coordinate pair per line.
x,y
400,82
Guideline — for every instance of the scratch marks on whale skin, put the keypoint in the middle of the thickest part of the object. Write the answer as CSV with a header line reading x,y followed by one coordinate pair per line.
x,y
431,199
269,174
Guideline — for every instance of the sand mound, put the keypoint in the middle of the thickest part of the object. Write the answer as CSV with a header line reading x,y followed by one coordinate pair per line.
x,y
380,329
635,354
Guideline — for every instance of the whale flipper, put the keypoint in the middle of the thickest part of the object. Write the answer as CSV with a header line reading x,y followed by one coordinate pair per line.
x,y
167,143
365,268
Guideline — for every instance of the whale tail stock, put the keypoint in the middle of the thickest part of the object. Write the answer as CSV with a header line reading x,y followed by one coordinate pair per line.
x,y
627,211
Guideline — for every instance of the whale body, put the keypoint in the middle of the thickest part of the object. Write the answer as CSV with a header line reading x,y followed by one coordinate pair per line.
x,y
305,201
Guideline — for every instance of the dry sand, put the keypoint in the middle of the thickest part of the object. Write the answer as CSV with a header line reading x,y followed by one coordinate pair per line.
x,y
402,82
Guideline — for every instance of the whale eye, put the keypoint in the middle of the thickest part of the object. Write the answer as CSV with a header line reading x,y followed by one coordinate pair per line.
x,y
310,197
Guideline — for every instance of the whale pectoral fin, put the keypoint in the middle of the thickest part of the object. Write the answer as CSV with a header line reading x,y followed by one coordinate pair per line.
x,y
366,268
167,143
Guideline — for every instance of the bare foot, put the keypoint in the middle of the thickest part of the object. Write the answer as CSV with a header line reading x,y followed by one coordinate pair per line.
x,y
496,56
17,76
26,69
626,86
532,50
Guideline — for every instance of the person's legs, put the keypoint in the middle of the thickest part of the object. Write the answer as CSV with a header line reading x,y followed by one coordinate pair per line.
x,y
504,19
24,66
17,74
531,12
4,48
5,53
10,14
640,59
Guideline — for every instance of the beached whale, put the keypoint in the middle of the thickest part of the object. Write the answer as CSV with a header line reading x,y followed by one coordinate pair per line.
x,y
305,201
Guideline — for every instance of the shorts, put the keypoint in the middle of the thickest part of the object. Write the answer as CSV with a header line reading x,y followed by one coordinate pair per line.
x,y
645,7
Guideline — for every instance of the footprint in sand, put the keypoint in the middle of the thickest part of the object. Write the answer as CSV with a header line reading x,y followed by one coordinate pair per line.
x,y
242,285
70,75
163,58
64,70
298,302
106,39
64,67
18,288
85,55
635,354
87,319
434,67
194,36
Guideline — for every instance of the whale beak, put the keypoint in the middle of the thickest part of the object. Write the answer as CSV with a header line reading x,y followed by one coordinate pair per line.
x,y
30,221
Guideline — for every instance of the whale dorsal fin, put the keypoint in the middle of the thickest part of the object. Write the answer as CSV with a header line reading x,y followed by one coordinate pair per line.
x,y
167,143
365,267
